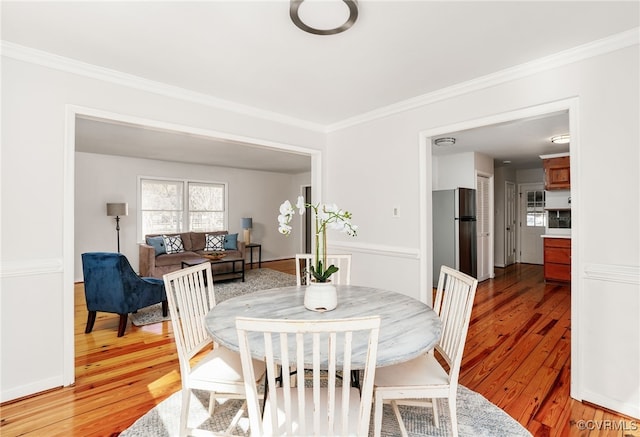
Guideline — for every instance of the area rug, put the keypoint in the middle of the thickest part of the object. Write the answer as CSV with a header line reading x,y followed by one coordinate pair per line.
x,y
477,417
255,280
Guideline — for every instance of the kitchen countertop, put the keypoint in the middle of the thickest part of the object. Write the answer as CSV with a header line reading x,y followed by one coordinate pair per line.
x,y
555,236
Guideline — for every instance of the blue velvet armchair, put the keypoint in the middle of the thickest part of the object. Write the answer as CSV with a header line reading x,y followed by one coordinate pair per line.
x,y
111,286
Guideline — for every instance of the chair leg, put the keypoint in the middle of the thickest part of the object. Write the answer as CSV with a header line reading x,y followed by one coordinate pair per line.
x,y
396,411
165,308
122,325
454,417
184,413
212,403
436,417
377,415
91,319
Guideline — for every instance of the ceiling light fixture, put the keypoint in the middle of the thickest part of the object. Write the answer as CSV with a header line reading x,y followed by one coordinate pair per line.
x,y
446,141
561,139
323,17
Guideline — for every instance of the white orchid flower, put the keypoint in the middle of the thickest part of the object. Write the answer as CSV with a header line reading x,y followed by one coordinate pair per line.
x,y
284,229
284,219
332,207
286,208
327,216
300,205
337,225
323,216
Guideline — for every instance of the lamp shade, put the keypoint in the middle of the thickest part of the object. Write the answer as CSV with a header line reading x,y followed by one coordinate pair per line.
x,y
117,209
247,223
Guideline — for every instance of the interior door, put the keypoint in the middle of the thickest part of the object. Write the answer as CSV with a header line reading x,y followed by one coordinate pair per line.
x,y
308,233
483,211
532,223
510,223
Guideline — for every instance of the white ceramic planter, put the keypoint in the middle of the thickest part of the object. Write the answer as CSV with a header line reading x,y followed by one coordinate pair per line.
x,y
320,296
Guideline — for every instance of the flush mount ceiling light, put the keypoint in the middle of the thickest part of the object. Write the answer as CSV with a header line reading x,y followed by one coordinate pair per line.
x,y
323,17
561,139
446,141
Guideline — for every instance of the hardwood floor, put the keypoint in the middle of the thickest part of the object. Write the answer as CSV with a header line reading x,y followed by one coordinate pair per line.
x,y
517,355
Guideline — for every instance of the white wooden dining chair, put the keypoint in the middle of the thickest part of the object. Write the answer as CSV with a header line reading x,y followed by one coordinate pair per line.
x,y
190,295
304,261
327,409
421,381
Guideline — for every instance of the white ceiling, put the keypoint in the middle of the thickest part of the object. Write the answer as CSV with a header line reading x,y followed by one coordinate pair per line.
x,y
250,53
114,138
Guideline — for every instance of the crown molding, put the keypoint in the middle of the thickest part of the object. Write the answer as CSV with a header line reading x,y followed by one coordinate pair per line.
x,y
585,51
50,60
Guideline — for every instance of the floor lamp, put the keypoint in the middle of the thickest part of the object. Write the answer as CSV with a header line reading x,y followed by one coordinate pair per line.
x,y
116,210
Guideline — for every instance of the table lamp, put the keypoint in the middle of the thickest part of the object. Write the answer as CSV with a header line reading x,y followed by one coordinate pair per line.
x,y
116,210
247,224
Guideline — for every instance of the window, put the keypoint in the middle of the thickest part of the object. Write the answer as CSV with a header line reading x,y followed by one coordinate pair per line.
x,y
206,207
536,215
168,206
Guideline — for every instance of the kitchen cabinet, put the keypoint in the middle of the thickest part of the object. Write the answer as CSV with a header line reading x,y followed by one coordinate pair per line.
x,y
557,175
557,259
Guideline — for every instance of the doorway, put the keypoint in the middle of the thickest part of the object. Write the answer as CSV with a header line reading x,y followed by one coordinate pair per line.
x,y
70,251
308,233
484,222
510,208
532,223
426,185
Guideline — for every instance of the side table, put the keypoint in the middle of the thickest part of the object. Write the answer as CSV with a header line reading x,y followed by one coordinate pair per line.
x,y
252,246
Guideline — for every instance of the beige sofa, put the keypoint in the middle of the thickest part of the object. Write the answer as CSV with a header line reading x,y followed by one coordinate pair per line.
x,y
156,265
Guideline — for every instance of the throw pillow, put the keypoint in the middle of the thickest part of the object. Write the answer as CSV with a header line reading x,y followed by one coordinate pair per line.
x,y
157,243
173,243
231,242
214,243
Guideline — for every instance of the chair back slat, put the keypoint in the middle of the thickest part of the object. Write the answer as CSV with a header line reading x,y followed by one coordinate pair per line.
x,y
322,409
191,296
454,302
304,261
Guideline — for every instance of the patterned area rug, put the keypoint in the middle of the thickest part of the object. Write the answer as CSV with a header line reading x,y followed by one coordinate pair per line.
x,y
255,279
477,417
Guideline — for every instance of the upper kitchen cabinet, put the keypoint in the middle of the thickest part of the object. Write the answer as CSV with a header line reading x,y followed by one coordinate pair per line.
x,y
557,175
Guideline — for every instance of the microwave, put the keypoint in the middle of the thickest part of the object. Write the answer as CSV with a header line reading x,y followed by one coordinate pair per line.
x,y
559,218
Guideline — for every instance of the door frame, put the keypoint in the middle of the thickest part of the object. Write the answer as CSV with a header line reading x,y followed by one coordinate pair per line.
x,y
520,215
425,162
514,214
74,111
491,207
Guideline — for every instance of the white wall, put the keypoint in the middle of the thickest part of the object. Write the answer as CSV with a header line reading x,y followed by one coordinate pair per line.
x,y
604,130
454,171
37,187
375,166
105,178
530,176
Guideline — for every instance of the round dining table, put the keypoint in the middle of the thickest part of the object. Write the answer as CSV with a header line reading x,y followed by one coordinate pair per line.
x,y
408,327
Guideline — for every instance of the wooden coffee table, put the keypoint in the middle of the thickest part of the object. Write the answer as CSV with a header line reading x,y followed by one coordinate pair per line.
x,y
237,267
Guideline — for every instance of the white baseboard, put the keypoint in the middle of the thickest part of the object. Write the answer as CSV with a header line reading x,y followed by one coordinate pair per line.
x,y
628,408
30,389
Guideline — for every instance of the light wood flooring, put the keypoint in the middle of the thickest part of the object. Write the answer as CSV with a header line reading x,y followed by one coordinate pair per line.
x,y
517,355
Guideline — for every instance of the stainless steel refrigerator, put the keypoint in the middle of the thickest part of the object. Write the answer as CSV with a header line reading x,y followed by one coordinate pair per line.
x,y
454,231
